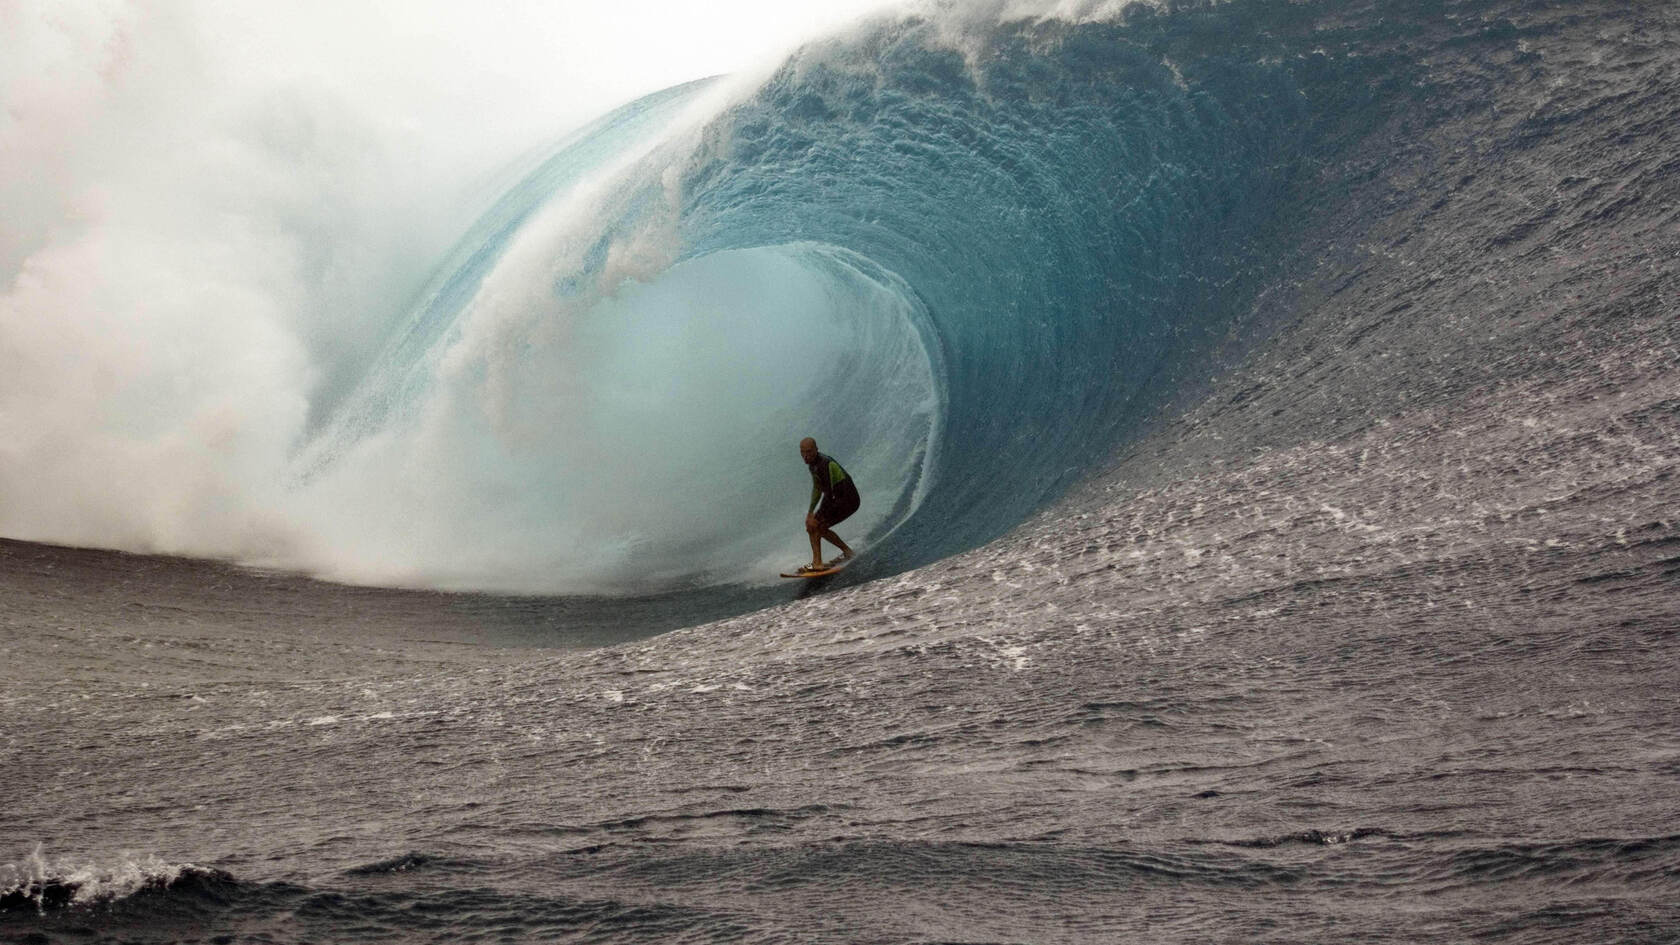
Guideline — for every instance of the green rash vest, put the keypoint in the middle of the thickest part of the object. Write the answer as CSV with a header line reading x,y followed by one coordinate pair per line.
x,y
836,474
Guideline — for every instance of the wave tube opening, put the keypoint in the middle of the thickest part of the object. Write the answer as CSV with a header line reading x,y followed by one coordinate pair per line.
x,y
649,441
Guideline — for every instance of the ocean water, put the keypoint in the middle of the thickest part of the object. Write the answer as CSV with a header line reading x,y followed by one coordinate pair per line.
x,y
1268,417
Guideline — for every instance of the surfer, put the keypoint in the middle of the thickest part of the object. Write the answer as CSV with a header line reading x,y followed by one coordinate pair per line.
x,y
839,496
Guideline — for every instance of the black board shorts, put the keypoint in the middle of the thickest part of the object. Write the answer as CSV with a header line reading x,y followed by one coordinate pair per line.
x,y
840,506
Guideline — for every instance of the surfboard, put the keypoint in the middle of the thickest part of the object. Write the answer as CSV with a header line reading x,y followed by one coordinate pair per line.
x,y
825,572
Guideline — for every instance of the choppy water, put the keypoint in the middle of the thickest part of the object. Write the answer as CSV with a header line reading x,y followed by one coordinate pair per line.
x,y
1359,622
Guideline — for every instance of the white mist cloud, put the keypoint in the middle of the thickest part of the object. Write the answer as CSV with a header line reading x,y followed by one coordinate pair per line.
x,y
211,213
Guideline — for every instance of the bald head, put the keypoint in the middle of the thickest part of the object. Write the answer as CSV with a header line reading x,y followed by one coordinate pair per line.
x,y
808,450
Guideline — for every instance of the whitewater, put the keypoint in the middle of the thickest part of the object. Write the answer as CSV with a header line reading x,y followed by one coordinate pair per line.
x,y
1266,417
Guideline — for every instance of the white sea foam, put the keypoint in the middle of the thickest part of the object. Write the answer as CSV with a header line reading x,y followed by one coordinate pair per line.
x,y
41,878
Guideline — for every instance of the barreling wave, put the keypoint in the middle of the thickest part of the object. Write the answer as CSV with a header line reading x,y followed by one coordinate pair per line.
x,y
969,260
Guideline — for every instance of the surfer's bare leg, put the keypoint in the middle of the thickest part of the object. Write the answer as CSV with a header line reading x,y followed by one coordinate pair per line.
x,y
819,534
815,530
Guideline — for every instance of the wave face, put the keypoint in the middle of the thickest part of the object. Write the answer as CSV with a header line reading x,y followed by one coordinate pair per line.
x,y
1058,202
966,258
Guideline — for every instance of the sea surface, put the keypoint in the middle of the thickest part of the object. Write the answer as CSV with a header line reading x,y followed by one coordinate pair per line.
x,y
1268,417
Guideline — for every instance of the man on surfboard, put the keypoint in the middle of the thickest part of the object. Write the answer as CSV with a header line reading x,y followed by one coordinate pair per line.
x,y
839,497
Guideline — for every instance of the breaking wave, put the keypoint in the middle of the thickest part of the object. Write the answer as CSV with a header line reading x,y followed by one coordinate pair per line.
x,y
967,262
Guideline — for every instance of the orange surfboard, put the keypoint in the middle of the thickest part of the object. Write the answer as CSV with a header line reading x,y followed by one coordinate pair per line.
x,y
825,572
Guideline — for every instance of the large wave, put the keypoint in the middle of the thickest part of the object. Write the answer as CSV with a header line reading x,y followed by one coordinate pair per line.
x,y
966,260
968,254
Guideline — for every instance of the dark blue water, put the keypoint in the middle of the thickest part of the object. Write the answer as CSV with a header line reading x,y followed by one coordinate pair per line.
x,y
1282,547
